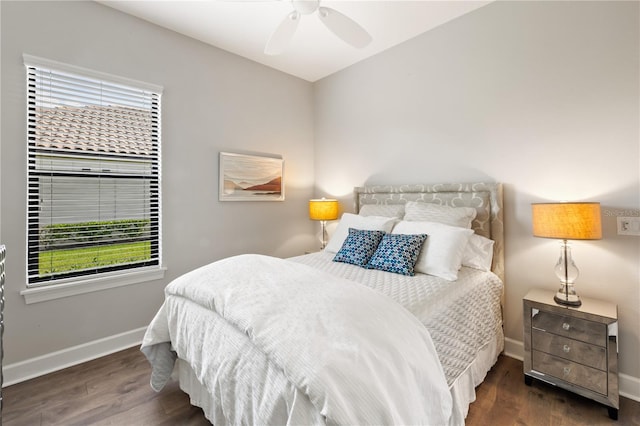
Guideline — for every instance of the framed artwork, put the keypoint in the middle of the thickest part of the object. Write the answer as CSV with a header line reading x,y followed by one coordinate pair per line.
x,y
251,178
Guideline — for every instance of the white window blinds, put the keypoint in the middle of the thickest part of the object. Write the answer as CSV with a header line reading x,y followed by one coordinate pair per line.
x,y
93,173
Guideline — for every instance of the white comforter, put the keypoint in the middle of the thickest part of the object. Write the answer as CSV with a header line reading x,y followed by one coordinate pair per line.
x,y
358,357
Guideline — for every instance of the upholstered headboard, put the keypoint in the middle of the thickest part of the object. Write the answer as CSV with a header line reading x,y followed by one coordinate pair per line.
x,y
486,198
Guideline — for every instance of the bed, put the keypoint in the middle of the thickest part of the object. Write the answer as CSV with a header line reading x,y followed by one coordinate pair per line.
x,y
311,340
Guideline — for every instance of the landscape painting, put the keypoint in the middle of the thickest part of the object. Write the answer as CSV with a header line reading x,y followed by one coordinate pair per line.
x,y
251,178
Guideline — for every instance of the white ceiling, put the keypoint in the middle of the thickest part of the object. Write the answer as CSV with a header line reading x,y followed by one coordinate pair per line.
x,y
244,26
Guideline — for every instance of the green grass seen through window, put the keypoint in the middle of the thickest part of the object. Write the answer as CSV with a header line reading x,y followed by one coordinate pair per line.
x,y
59,261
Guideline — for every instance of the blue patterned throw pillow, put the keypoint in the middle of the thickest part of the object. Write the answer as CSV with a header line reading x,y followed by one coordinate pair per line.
x,y
397,253
358,247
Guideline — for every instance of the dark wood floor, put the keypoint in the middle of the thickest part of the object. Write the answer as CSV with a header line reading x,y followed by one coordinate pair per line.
x,y
504,399
114,390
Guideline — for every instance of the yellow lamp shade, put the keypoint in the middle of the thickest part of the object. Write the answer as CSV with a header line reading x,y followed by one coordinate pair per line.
x,y
567,221
323,209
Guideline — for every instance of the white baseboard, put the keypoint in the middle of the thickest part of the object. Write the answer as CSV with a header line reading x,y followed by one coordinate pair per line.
x,y
54,361
514,349
629,386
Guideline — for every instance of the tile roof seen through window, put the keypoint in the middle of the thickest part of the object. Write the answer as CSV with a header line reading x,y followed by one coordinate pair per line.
x,y
117,130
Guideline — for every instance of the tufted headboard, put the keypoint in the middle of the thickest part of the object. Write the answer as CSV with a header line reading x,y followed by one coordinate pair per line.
x,y
486,198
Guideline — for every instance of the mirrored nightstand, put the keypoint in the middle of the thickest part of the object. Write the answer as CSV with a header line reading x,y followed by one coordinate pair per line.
x,y
573,348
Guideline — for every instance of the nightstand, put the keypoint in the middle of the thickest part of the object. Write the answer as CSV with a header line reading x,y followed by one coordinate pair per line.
x,y
573,348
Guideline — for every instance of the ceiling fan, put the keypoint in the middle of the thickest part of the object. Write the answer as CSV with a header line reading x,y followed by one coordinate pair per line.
x,y
342,26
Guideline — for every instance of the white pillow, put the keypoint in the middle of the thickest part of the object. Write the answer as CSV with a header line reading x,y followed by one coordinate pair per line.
x,y
386,210
429,212
479,253
441,253
349,220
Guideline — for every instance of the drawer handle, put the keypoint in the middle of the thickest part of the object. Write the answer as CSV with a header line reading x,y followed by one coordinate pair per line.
x,y
566,349
566,370
566,326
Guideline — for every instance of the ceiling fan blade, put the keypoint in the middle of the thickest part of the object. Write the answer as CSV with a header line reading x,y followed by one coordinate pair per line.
x,y
344,27
281,37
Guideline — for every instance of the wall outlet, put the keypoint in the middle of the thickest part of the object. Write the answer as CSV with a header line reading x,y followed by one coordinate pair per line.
x,y
628,225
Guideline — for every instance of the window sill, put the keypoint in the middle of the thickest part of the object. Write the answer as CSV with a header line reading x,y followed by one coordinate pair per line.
x,y
76,286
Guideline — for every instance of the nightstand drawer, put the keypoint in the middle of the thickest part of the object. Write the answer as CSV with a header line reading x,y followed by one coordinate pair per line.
x,y
575,328
574,373
573,350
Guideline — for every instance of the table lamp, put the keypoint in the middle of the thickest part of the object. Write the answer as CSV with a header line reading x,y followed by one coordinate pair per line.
x,y
567,221
323,209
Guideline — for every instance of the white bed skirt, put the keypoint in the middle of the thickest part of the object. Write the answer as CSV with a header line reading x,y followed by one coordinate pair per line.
x,y
463,389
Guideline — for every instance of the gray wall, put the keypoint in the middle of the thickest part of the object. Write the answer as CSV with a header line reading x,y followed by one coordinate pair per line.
x,y
213,101
542,96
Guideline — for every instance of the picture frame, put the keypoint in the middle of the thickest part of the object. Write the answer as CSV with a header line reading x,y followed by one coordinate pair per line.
x,y
250,177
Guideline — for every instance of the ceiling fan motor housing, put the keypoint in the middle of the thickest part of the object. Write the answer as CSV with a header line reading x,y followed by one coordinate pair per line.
x,y
306,7
342,26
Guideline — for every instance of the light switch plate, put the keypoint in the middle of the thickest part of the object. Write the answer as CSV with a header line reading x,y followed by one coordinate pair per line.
x,y
628,225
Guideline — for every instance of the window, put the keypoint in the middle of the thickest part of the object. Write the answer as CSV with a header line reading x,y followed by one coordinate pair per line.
x,y
93,174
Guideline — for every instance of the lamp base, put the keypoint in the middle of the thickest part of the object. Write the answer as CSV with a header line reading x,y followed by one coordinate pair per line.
x,y
567,272
323,224
562,298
